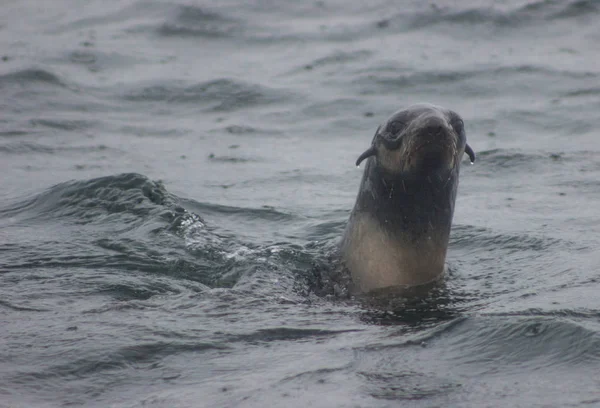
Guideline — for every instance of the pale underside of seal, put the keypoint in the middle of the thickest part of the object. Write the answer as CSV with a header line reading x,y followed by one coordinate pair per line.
x,y
399,228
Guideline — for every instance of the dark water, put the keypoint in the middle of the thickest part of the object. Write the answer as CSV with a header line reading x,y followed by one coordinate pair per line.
x,y
176,175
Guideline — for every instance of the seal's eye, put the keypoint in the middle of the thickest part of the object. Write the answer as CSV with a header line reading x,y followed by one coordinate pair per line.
x,y
395,127
459,126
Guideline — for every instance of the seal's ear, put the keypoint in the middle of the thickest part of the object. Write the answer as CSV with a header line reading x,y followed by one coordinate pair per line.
x,y
371,151
470,152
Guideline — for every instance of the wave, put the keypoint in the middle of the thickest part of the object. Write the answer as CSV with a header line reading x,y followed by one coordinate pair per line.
x,y
343,22
118,359
64,124
286,334
86,200
131,224
519,343
555,9
503,161
40,90
227,23
475,82
335,59
116,222
38,148
588,91
245,130
31,76
265,213
474,347
477,237
502,17
193,21
221,95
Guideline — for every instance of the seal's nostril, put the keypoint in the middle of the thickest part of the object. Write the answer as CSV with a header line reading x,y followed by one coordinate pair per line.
x,y
434,130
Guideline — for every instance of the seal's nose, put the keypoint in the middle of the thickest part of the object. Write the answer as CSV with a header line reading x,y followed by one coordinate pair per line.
x,y
434,126
433,146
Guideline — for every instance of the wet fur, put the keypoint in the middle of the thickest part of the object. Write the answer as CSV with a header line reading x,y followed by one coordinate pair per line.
x,y
399,229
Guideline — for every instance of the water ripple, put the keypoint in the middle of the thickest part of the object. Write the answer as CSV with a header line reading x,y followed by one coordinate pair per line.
x,y
220,94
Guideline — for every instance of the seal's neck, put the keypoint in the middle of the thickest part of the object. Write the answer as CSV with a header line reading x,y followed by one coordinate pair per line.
x,y
399,228
415,205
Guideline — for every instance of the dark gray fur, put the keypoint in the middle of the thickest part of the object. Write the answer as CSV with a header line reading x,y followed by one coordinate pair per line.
x,y
408,189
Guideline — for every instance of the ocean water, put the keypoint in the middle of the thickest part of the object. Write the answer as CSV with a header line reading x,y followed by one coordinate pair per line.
x,y
176,176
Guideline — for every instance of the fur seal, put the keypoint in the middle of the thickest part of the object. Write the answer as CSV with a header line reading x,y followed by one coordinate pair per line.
x,y
398,231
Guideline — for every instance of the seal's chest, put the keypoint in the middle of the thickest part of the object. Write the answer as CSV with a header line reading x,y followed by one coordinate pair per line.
x,y
376,259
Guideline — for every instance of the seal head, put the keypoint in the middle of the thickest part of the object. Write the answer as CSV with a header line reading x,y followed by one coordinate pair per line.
x,y
399,228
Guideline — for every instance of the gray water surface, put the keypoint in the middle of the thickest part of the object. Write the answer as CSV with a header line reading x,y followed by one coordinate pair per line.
x,y
176,177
